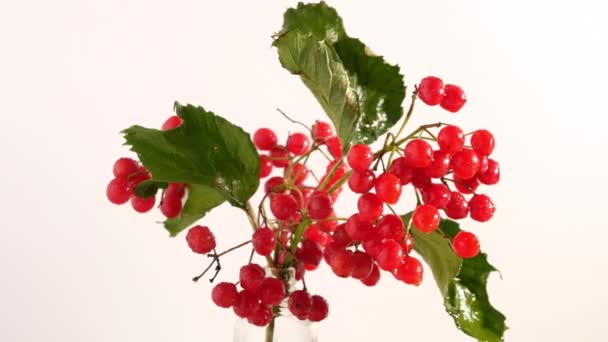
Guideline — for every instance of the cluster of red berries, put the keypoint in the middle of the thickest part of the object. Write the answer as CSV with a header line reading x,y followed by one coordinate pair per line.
x,y
433,92
129,174
261,296
305,230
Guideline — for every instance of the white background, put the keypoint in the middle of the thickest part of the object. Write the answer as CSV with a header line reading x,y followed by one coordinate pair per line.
x,y
74,73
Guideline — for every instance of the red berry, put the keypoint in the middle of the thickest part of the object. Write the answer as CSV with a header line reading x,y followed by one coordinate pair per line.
x,y
319,309
437,195
283,206
420,179
370,206
341,236
124,167
260,316
200,239
321,130
453,99
465,244
482,142
171,123
492,174
119,190
341,262
272,291
224,294
143,205
171,206
482,208
360,157
298,144
408,244
388,188
440,165
319,206
334,146
450,139
390,255
362,265
264,139
391,227
274,184
458,207
372,246
296,172
310,253
246,301
251,276
430,90
328,226
410,271
264,241
483,165
465,163
402,170
466,186
265,166
329,251
373,277
175,190
279,156
299,304
426,218
314,233
418,153
359,228
139,177
361,181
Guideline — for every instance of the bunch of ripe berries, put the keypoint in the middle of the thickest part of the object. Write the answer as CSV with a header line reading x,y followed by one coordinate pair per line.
x,y
304,230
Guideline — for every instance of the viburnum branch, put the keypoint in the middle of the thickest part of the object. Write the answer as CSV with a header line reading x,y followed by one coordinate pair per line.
x,y
330,174
229,250
410,111
254,226
297,236
301,227
293,120
340,182
202,274
434,138
218,267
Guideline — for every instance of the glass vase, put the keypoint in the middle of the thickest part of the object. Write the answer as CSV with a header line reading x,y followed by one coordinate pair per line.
x,y
284,328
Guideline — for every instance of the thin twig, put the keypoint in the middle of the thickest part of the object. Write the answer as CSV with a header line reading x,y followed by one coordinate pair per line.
x,y
218,267
292,120
195,279
229,250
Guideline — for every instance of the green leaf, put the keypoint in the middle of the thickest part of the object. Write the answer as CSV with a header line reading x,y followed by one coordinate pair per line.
x,y
468,301
201,199
438,254
322,71
213,156
378,86
462,283
149,188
